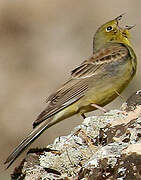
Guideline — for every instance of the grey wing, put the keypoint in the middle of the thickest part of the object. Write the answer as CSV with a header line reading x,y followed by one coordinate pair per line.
x,y
71,92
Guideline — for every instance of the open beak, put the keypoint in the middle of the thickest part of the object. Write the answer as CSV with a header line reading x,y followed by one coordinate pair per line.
x,y
119,17
129,27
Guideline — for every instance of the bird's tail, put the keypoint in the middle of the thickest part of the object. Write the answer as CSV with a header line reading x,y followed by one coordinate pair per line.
x,y
29,139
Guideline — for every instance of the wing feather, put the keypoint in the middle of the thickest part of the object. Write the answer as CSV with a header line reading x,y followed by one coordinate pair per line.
x,y
76,87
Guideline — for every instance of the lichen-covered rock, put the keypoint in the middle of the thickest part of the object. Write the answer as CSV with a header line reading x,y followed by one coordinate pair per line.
x,y
102,147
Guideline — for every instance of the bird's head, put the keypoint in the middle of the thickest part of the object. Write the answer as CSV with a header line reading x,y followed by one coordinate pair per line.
x,y
111,32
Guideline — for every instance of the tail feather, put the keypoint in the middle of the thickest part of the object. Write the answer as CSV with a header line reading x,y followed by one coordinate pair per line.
x,y
28,140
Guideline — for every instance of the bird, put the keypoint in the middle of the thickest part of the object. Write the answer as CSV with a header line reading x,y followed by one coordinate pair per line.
x,y
96,82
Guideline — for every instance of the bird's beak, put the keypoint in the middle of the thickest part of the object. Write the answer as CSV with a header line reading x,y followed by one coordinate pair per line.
x,y
117,19
129,27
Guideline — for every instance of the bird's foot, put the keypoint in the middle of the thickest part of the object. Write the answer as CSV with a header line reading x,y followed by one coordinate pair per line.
x,y
100,108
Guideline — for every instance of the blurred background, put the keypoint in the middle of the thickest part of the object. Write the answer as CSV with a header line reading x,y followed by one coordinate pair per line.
x,y
40,43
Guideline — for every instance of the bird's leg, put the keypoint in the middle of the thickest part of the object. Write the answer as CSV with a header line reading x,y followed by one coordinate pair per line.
x,y
99,107
83,115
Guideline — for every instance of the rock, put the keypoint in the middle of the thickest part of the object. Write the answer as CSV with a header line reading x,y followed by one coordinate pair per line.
x,y
107,146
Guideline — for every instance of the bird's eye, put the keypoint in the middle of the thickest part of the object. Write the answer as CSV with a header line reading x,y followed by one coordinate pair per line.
x,y
109,28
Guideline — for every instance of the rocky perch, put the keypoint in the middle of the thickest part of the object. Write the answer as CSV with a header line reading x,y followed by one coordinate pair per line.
x,y
102,147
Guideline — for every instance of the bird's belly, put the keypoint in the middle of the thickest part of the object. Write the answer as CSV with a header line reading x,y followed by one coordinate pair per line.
x,y
106,88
